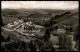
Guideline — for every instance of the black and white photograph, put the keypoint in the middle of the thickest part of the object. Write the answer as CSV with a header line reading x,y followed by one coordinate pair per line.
x,y
40,26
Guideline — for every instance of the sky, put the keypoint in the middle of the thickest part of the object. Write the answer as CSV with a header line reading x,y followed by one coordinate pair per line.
x,y
64,5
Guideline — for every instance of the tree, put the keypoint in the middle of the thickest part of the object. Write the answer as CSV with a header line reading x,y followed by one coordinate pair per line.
x,y
32,45
48,26
8,38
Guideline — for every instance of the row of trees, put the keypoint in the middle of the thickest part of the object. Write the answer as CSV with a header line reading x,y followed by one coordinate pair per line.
x,y
16,46
7,44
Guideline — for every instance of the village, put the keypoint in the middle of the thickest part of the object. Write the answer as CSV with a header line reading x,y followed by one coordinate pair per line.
x,y
39,26
22,27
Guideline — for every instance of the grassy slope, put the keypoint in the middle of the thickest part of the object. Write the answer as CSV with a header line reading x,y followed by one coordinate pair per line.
x,y
69,19
11,34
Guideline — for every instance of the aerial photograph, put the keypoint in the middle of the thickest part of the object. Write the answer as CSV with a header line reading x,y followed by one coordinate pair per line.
x,y
39,25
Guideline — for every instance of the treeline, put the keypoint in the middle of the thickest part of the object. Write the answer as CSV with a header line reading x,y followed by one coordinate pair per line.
x,y
12,45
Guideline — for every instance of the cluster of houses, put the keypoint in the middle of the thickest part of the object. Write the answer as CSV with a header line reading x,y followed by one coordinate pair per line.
x,y
31,27
15,23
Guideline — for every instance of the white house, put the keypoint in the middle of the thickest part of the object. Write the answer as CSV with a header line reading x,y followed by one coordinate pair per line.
x,y
20,21
16,22
9,25
29,23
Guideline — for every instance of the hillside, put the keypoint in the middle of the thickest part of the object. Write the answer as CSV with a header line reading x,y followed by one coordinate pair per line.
x,y
38,17
38,14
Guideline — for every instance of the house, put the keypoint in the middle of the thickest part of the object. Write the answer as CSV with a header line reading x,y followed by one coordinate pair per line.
x,y
21,21
18,22
29,23
10,25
